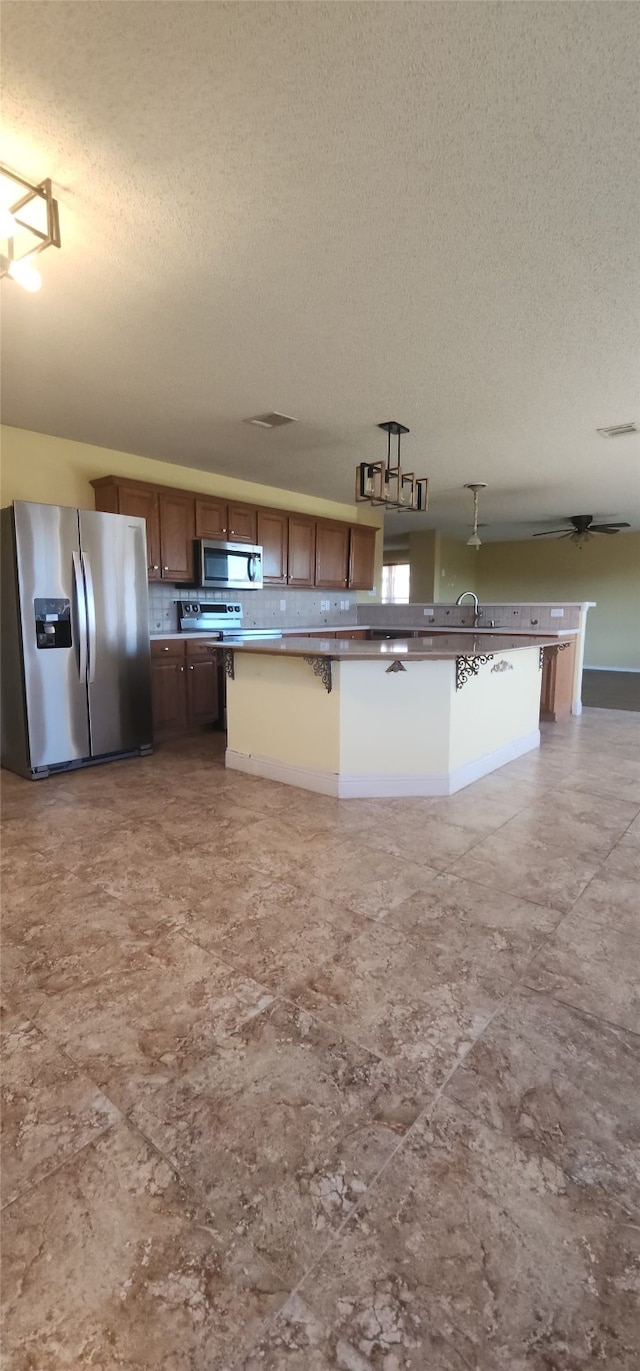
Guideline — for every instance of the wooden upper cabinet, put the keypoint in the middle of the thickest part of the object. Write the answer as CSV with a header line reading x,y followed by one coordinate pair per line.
x,y
242,523
362,558
272,538
176,536
332,555
139,502
211,519
301,550
227,523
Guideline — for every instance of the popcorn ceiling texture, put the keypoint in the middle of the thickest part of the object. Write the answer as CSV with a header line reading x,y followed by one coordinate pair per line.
x,y
348,212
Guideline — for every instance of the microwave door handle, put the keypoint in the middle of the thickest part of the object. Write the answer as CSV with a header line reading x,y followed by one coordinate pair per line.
x,y
251,568
91,620
80,606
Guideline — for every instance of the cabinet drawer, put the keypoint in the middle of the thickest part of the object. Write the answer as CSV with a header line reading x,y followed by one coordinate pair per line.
x,y
200,649
162,647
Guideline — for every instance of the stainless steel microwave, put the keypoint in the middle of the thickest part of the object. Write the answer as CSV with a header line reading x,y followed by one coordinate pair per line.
x,y
228,566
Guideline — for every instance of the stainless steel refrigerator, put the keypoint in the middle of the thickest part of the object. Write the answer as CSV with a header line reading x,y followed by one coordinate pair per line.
x,y
76,673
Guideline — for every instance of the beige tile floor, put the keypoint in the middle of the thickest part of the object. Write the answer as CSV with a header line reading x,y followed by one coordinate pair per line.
x,y
293,1084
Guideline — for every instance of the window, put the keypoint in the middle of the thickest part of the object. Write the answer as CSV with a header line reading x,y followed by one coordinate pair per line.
x,y
395,583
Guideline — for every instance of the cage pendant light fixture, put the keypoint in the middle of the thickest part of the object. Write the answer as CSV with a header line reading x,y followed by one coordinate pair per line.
x,y
476,487
29,223
385,483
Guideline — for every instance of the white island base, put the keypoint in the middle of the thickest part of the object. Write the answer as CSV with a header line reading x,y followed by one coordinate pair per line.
x,y
422,730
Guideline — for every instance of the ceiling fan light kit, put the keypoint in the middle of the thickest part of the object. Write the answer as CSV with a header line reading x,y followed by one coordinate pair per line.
x,y
385,484
582,530
29,223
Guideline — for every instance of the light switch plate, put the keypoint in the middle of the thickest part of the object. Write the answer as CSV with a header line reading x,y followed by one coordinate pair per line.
x,y
557,614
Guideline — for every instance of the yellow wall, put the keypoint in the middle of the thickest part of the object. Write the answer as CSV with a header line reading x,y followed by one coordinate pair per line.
x,y
423,558
606,569
57,471
457,570
441,568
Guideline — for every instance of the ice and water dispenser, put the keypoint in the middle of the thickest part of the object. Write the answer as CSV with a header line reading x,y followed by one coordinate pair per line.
x,y
53,623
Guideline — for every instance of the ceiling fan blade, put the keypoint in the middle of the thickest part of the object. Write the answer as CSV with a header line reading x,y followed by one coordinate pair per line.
x,y
550,532
607,528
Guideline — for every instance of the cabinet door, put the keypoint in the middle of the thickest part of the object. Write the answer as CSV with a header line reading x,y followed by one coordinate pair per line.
x,y
176,537
556,695
301,550
272,538
362,558
332,555
242,524
211,519
168,694
202,690
139,503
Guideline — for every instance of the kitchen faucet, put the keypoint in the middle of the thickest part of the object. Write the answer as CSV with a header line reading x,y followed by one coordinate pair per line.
x,y
476,608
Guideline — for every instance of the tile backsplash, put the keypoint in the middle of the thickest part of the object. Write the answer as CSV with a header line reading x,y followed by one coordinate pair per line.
x,y
314,608
261,608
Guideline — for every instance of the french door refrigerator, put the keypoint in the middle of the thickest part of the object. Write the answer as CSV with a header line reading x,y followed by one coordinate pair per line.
x,y
76,673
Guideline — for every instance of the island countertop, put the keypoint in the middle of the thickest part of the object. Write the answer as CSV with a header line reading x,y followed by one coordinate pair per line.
x,y
440,647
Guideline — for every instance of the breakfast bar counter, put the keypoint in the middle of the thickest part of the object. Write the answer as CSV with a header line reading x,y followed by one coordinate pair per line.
x,y
350,718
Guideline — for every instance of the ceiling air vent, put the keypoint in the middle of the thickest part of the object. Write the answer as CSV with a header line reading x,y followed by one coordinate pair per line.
x,y
273,420
617,430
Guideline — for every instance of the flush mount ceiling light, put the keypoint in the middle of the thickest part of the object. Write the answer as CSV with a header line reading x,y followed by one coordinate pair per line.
x,y
28,224
380,483
476,487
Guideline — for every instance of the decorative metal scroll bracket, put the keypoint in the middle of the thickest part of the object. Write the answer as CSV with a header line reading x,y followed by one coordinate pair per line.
x,y
396,666
502,665
466,667
229,663
321,667
555,647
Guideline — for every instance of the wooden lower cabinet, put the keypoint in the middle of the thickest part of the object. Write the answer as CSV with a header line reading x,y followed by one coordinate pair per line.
x,y
184,687
556,693
203,667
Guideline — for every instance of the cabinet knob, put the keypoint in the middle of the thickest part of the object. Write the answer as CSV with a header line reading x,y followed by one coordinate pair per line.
x,y
190,668
165,568
182,668
165,649
155,568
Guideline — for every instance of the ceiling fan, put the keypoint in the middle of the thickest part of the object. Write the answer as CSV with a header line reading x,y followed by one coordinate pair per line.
x,y
583,527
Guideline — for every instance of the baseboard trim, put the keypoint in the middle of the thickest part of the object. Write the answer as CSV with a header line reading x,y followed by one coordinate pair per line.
x,y
355,787
626,670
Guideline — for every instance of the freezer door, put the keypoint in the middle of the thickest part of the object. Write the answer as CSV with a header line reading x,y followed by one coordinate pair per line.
x,y
52,629
113,551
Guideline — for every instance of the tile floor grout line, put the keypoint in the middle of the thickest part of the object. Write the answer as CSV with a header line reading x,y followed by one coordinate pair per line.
x,y
28,1190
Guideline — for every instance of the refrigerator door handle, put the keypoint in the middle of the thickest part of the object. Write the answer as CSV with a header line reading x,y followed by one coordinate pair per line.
x,y
91,618
81,617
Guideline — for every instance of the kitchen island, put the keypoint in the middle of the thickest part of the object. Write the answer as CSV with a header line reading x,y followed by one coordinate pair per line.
x,y
421,716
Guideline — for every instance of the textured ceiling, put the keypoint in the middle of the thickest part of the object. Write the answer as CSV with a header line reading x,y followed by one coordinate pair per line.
x,y
346,212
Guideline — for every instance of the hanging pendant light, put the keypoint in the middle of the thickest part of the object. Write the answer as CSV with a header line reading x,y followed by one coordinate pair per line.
x,y
383,483
475,486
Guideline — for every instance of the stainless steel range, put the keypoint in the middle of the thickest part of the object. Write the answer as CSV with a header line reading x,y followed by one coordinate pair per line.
x,y
220,619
